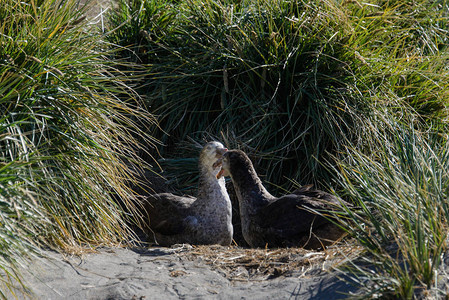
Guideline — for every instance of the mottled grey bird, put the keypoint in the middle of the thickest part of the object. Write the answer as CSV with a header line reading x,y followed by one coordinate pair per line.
x,y
206,219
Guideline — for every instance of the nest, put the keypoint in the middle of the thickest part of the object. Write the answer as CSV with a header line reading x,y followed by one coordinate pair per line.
x,y
243,264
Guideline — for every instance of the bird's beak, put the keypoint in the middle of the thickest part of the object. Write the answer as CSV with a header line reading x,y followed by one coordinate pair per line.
x,y
221,151
217,163
220,173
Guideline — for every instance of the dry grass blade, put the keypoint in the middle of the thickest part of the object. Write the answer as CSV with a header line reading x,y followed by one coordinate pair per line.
x,y
243,264
69,128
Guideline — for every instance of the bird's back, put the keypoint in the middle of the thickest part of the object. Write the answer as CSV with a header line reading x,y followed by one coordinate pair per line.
x,y
165,212
290,220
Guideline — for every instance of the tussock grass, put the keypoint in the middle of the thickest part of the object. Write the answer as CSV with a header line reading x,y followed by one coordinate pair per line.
x,y
268,77
286,81
66,138
348,95
402,216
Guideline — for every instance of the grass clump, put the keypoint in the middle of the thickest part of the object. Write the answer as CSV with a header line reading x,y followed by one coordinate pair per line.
x,y
402,216
286,81
402,49
268,76
64,133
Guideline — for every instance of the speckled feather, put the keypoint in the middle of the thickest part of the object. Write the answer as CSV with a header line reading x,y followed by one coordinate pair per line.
x,y
206,219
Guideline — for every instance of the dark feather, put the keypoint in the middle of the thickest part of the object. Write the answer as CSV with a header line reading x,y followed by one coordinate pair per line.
x,y
290,220
166,212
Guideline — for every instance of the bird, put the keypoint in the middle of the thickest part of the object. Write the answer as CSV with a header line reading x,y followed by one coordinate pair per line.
x,y
287,221
206,219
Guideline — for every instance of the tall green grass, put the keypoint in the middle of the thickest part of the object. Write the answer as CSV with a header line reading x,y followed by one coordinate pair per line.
x,y
286,81
402,218
69,129
247,73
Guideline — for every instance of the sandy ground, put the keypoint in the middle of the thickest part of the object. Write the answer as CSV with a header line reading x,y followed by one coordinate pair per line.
x,y
186,272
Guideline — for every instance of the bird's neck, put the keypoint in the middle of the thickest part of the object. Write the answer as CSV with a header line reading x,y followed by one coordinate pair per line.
x,y
249,187
208,183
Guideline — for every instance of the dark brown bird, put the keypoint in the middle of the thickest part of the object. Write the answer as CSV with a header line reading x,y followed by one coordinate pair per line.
x,y
206,219
279,222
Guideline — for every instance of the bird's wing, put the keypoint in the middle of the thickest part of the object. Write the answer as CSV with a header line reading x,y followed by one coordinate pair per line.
x,y
307,191
290,216
167,213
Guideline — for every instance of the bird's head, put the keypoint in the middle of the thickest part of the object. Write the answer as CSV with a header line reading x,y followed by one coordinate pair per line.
x,y
211,156
232,161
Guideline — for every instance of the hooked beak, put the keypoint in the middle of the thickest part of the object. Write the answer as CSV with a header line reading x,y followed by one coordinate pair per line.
x,y
220,173
219,155
221,151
